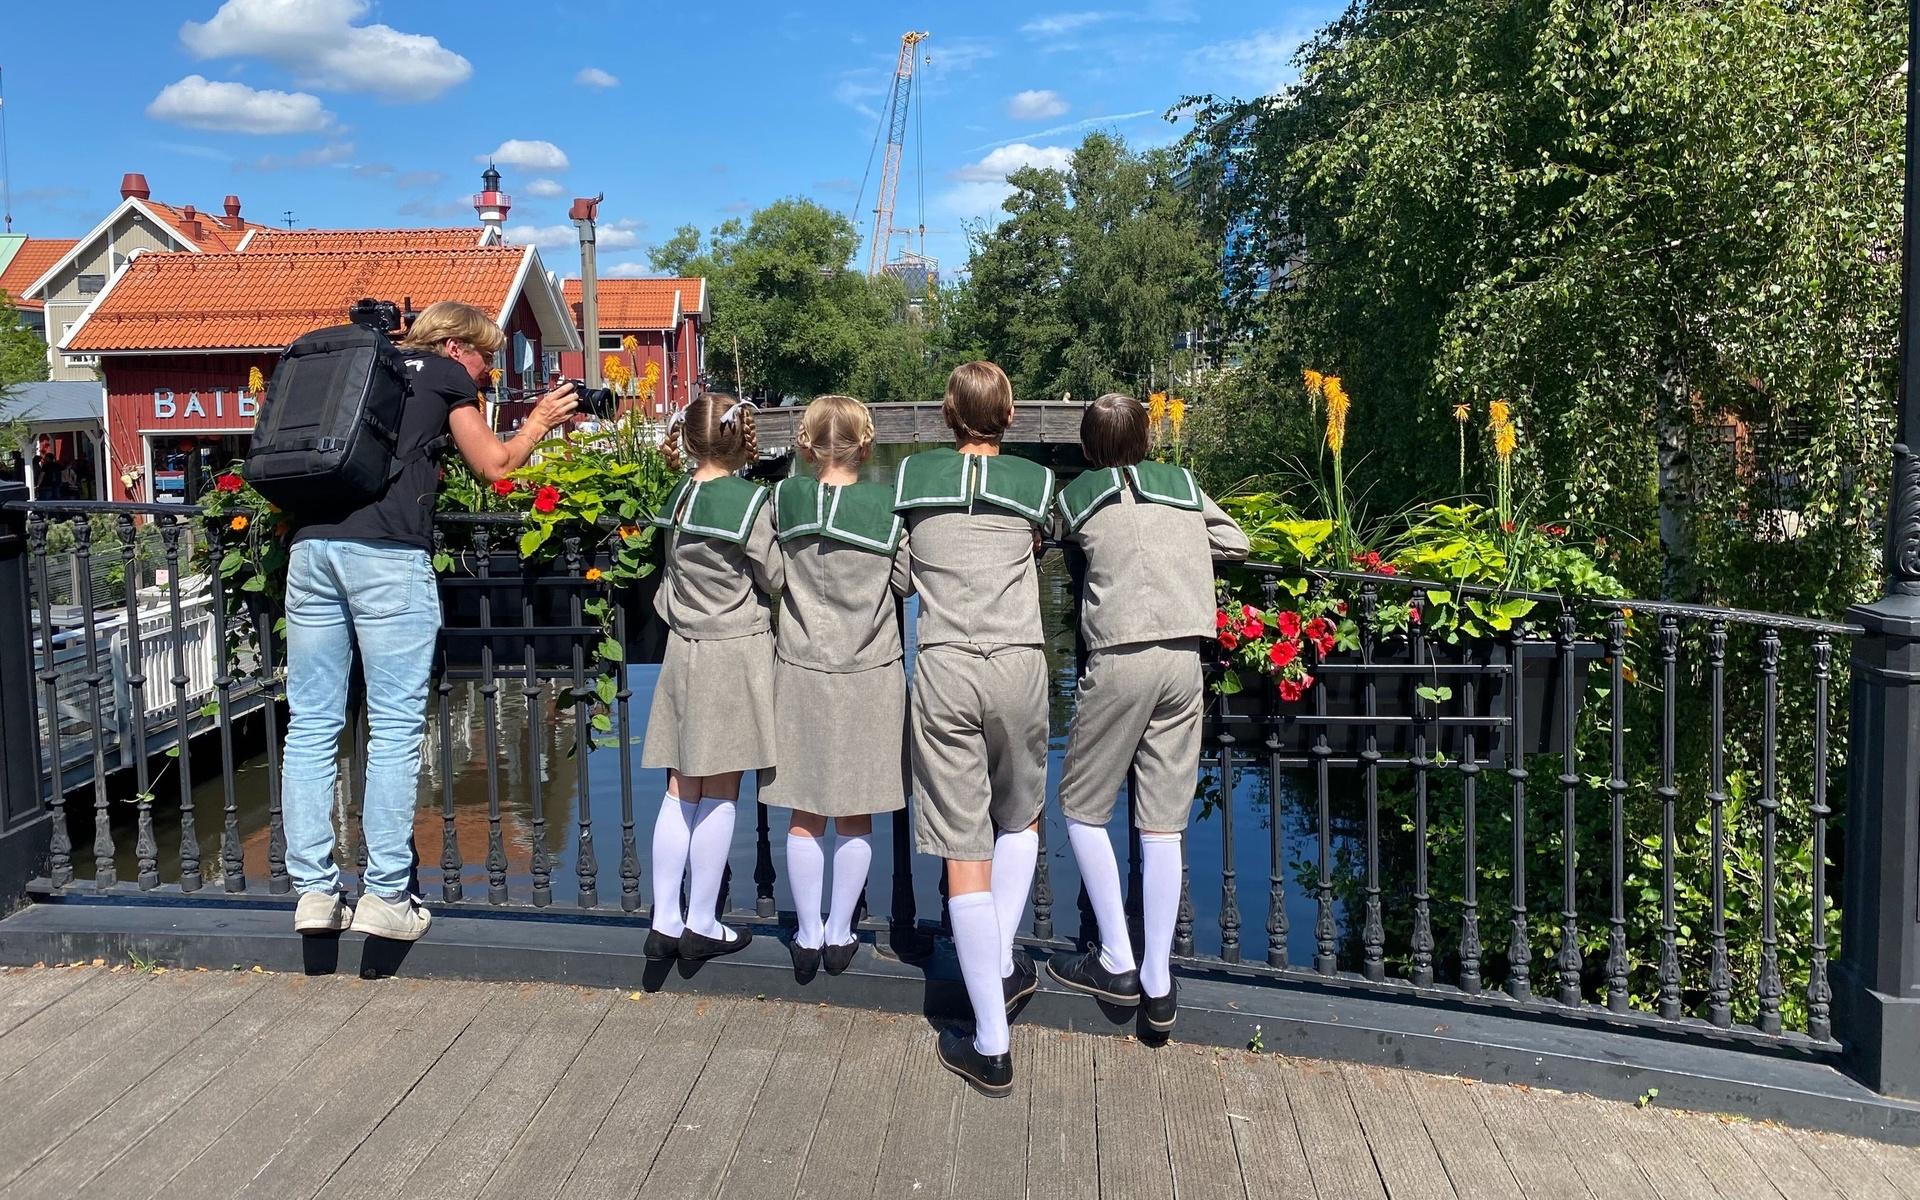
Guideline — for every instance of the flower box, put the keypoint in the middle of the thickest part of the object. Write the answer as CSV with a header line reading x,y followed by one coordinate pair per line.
x,y
1340,686
519,596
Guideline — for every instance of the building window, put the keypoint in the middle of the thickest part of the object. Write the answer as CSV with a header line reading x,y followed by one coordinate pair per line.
x,y
610,341
92,285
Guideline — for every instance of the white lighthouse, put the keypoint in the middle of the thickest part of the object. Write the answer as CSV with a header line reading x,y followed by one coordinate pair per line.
x,y
492,204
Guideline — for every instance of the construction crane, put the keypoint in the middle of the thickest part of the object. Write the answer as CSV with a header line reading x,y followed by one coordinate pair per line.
x,y
896,129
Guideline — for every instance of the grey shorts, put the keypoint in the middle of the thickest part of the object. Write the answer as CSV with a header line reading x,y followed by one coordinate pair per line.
x,y
1138,707
978,734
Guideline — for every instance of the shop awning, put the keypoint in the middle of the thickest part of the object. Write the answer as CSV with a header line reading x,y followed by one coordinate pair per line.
x,y
57,405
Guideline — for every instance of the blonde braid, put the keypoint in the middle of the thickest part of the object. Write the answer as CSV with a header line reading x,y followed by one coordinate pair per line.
x,y
749,435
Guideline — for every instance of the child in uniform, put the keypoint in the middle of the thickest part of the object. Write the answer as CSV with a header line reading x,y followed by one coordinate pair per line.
x,y
840,691
1150,537
712,714
979,723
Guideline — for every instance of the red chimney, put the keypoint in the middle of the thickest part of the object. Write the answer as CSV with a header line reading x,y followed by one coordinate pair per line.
x,y
190,221
233,210
133,186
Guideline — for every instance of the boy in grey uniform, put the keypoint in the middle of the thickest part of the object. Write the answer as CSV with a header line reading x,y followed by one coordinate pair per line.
x,y
978,731
1150,537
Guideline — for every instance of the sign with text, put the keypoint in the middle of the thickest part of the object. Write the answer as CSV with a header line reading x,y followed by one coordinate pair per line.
x,y
216,403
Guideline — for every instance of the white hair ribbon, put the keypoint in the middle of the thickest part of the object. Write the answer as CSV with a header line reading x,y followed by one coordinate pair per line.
x,y
673,421
728,418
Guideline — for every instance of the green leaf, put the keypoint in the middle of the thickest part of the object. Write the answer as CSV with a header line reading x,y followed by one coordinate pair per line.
x,y
602,722
1438,695
612,651
534,538
1229,684
605,687
254,583
443,562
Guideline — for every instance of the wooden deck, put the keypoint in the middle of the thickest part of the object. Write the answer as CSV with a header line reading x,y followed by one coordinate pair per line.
x,y
116,1083
1048,422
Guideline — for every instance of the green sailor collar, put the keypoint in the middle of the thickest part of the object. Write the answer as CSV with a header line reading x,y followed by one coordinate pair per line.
x,y
945,478
1152,483
722,509
858,514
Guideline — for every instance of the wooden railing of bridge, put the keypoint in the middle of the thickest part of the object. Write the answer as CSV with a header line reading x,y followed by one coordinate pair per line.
x,y
1051,422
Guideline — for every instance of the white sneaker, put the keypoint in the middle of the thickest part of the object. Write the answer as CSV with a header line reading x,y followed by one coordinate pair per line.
x,y
321,912
401,921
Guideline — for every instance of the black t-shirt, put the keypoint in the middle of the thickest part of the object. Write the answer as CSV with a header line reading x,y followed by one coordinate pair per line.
x,y
404,512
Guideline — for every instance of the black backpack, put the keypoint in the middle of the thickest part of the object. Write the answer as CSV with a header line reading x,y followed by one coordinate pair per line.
x,y
325,436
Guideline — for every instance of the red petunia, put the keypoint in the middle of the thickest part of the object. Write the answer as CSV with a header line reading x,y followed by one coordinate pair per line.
x,y
1220,618
1293,689
546,499
1340,607
1248,612
1413,614
1252,628
503,487
1387,569
1283,653
1229,639
229,483
1289,624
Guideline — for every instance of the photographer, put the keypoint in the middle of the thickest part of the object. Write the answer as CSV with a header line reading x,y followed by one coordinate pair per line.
x,y
364,578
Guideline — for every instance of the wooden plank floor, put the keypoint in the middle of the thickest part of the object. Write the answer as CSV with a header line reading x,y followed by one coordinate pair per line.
x,y
138,1085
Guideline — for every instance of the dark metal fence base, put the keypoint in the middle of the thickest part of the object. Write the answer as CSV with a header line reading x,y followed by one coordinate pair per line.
x,y
1216,1009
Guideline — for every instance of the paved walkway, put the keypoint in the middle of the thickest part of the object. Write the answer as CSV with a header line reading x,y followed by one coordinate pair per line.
x,y
116,1083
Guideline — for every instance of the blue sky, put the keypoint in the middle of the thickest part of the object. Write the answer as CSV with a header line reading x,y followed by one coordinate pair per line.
x,y
358,113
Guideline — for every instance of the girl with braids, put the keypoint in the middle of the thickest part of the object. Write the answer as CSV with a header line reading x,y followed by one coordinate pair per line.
x,y
837,667
712,714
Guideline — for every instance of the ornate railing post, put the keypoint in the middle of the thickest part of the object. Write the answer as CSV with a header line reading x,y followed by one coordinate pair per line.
x,y
25,825
1877,980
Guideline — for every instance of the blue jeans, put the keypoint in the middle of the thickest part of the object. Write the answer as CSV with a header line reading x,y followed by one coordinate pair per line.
x,y
381,597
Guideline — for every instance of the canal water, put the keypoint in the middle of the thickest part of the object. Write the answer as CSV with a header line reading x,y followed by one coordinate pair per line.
x,y
521,763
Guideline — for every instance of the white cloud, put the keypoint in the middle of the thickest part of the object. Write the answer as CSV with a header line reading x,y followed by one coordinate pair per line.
x,y
995,167
1035,105
544,187
1070,127
594,77
319,42
627,270
1263,61
1059,24
236,108
619,235
319,156
533,155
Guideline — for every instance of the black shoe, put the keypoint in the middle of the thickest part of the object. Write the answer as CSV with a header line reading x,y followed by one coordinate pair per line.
x,y
806,961
659,945
1083,973
991,1074
698,947
1024,981
838,958
1161,1010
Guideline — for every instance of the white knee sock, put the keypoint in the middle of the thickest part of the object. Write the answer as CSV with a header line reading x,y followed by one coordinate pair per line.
x,y
850,863
1014,856
1160,881
806,876
976,940
1093,850
672,832
707,853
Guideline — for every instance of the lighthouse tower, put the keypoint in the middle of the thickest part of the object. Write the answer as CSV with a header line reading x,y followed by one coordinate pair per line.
x,y
492,204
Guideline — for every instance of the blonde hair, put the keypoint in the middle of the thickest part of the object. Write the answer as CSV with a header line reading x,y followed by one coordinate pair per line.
x,y
836,431
979,402
703,434
445,319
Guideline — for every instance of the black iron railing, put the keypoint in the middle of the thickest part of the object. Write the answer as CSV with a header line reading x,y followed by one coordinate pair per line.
x,y
1642,754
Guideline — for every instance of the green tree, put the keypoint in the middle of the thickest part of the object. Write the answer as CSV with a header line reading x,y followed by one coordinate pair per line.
x,y
23,359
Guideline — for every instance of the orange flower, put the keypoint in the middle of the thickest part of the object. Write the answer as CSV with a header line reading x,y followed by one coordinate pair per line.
x,y
237,524
594,574
629,532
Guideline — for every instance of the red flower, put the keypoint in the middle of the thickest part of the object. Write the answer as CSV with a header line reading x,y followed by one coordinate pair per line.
x,y
1318,628
546,499
1293,689
229,483
503,487
1252,628
1289,624
1283,653
1229,639
1220,619
1413,614
1340,607
1506,527
1248,612
1386,568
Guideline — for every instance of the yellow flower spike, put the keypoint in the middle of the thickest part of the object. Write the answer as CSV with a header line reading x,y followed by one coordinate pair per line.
x,y
629,343
1461,412
610,366
1499,413
1314,380
1337,405
494,375
256,383
1156,408
1177,413
1505,440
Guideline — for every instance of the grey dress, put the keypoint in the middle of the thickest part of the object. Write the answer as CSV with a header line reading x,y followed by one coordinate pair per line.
x,y
713,707
840,687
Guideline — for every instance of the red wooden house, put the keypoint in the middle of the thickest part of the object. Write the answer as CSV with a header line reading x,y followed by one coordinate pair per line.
x,y
666,318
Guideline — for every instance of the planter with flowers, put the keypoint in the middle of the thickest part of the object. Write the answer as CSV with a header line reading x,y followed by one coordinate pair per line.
x,y
1430,623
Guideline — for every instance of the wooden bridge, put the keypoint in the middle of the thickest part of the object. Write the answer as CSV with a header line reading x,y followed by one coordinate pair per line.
x,y
128,1084
1051,422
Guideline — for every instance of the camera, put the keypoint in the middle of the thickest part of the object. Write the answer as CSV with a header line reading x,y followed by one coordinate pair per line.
x,y
598,402
381,316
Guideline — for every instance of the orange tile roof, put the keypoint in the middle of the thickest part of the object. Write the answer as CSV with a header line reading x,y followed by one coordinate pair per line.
x,y
638,303
216,230
263,301
334,241
29,263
